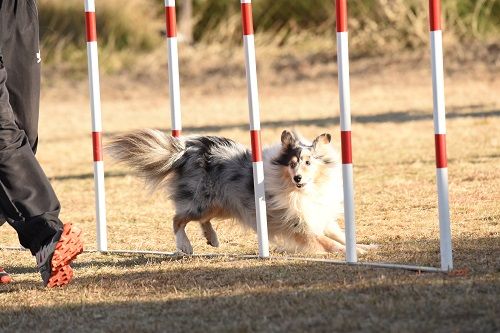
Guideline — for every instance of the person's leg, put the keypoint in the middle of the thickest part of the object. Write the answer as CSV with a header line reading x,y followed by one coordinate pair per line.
x,y
23,61
26,196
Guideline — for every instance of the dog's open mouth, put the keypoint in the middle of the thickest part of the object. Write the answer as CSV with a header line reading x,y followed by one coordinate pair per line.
x,y
300,185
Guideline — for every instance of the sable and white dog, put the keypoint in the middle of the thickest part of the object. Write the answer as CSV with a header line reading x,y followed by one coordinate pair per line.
x,y
211,177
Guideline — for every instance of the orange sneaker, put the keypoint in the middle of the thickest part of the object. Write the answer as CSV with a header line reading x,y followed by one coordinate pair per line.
x,y
54,258
4,277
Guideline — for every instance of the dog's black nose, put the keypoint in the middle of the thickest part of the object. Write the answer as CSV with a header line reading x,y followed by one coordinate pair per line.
x,y
297,178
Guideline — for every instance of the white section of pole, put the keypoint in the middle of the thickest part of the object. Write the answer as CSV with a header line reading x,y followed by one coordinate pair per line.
x,y
438,82
349,217
100,204
252,87
174,84
344,81
89,5
260,206
444,220
94,86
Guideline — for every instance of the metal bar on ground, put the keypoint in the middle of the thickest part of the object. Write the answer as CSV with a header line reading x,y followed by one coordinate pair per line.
x,y
249,256
173,68
440,133
95,106
370,264
345,129
254,113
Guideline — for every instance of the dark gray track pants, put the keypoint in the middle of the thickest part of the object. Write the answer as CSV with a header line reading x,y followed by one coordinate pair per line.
x,y
27,199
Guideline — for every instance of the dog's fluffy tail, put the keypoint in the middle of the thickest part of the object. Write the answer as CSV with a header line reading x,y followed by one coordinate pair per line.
x,y
151,154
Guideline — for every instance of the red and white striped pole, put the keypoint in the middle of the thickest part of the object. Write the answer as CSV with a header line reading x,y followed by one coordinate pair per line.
x,y
253,105
345,129
173,68
440,133
95,106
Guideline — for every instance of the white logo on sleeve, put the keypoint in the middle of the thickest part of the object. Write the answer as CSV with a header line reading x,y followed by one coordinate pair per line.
x,y
38,57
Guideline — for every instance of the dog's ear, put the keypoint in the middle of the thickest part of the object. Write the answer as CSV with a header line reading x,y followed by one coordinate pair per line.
x,y
321,140
288,139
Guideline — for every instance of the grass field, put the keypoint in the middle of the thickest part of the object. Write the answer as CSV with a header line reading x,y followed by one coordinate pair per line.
x,y
393,151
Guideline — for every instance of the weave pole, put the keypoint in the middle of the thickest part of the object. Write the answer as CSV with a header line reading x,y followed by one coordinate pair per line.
x,y
345,129
95,107
254,113
440,133
173,68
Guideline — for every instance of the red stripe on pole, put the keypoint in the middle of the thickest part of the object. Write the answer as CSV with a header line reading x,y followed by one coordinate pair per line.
x,y
97,146
90,26
345,139
341,12
246,18
176,133
256,148
441,159
170,21
435,15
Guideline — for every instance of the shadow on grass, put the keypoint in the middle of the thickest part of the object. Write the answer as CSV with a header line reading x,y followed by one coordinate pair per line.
x,y
85,176
149,293
453,112
299,298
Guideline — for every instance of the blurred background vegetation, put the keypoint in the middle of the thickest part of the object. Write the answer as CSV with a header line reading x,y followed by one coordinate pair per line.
x,y
135,28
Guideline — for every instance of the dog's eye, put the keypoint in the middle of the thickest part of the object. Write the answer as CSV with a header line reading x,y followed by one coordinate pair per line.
x,y
308,163
293,165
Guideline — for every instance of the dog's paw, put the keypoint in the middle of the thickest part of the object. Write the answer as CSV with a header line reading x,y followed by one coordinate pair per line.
x,y
281,249
182,243
364,248
179,253
185,249
360,251
210,234
212,239
367,247
213,242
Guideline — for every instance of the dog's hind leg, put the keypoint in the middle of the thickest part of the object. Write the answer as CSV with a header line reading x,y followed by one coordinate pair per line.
x,y
209,233
182,242
318,244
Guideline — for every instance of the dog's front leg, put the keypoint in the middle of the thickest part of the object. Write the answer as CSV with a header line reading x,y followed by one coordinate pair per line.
x,y
330,245
182,242
317,244
334,232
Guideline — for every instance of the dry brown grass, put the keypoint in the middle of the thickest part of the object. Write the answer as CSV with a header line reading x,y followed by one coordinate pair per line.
x,y
396,208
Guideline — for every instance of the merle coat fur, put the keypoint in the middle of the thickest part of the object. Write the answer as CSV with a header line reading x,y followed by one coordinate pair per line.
x,y
209,177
